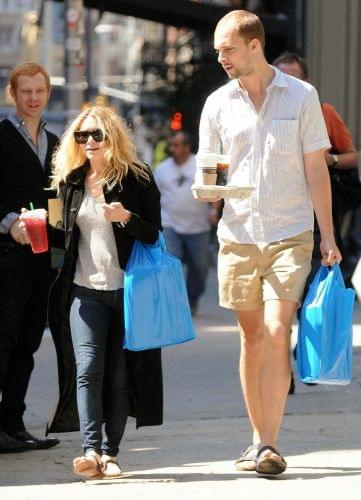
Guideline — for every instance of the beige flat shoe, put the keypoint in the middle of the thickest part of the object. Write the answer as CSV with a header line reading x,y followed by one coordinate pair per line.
x,y
88,466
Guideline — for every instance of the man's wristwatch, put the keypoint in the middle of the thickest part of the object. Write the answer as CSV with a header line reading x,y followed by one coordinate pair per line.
x,y
335,160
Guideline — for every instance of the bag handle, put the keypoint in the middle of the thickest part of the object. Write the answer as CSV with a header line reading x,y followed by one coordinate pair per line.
x,y
335,269
155,251
321,275
161,242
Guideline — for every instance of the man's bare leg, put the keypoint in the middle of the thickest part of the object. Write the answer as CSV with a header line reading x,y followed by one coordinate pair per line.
x,y
251,325
276,371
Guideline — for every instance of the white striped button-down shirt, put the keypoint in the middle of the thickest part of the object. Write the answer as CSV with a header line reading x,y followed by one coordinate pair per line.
x,y
266,150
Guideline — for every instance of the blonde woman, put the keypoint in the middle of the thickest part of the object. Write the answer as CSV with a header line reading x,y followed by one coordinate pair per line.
x,y
109,200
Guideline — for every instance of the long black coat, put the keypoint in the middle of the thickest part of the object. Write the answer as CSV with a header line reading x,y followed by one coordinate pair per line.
x,y
142,198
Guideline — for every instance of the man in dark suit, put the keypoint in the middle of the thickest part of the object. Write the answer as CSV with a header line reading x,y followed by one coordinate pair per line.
x,y
26,148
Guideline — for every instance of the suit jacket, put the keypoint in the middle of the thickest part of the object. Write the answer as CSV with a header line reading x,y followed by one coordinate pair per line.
x,y
22,177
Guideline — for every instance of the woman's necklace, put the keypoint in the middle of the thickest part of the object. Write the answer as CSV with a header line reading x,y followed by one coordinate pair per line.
x,y
94,185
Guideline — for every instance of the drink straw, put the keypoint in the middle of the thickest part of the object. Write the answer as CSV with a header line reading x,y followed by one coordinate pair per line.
x,y
31,206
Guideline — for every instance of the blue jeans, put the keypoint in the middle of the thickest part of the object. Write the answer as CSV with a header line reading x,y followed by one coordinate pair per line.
x,y
103,393
193,249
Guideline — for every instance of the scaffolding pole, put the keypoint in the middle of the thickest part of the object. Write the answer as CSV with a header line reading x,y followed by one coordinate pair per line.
x,y
74,57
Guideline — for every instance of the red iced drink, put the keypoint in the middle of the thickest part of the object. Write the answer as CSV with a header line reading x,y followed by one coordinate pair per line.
x,y
35,222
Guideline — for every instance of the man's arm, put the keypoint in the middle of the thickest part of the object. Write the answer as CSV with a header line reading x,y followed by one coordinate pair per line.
x,y
12,224
341,140
214,212
318,181
209,139
9,220
345,160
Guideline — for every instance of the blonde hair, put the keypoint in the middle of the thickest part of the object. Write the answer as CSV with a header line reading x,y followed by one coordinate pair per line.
x,y
247,23
120,155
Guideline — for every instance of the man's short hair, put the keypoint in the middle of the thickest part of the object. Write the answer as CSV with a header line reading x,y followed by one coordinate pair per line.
x,y
27,69
291,57
185,136
248,25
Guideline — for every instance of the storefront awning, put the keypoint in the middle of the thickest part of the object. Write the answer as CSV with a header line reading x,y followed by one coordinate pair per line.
x,y
180,13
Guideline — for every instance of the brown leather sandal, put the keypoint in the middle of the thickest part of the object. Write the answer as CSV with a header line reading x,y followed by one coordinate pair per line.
x,y
270,461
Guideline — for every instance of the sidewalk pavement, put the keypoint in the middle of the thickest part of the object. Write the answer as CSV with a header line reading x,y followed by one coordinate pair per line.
x,y
192,455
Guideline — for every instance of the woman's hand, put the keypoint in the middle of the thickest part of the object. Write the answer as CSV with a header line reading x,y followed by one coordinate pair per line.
x,y
115,212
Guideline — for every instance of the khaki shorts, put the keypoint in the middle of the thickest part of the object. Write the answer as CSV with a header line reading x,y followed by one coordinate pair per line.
x,y
250,274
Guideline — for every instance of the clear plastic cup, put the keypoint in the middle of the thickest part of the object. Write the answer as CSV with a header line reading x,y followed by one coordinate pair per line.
x,y
222,169
35,223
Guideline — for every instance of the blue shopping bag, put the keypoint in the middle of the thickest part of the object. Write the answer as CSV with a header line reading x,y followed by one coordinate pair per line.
x,y
156,307
324,346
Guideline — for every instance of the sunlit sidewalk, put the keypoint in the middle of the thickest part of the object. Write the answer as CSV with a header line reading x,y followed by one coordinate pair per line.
x,y
192,455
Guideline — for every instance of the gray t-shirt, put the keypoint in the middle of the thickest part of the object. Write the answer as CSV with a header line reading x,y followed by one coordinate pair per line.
x,y
97,265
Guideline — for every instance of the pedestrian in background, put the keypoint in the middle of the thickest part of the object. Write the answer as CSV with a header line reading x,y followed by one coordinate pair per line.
x,y
272,127
26,147
110,199
186,223
342,156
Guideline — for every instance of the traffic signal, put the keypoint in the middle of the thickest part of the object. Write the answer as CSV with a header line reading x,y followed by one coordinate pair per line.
x,y
176,121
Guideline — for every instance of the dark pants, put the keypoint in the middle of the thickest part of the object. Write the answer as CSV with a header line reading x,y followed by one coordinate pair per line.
x,y
103,392
25,279
193,249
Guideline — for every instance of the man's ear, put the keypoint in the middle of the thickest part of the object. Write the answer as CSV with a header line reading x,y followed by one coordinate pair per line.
x,y
10,95
255,43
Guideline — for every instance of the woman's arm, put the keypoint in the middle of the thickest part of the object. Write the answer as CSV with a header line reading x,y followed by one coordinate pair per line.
x,y
144,226
147,226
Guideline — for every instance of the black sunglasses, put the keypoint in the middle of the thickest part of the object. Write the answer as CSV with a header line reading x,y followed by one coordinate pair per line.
x,y
82,136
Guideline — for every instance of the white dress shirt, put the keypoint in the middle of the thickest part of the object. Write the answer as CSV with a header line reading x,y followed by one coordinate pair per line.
x,y
266,150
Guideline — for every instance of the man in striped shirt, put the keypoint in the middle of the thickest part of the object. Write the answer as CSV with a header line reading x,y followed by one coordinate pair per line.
x,y
272,127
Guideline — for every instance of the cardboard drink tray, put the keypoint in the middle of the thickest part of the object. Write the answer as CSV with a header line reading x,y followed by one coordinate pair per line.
x,y
212,191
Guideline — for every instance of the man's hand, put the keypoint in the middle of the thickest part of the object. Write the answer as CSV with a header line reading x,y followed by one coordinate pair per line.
x,y
329,251
214,213
213,216
206,200
18,232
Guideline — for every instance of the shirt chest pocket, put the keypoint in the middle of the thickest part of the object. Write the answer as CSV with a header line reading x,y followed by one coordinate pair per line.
x,y
283,136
